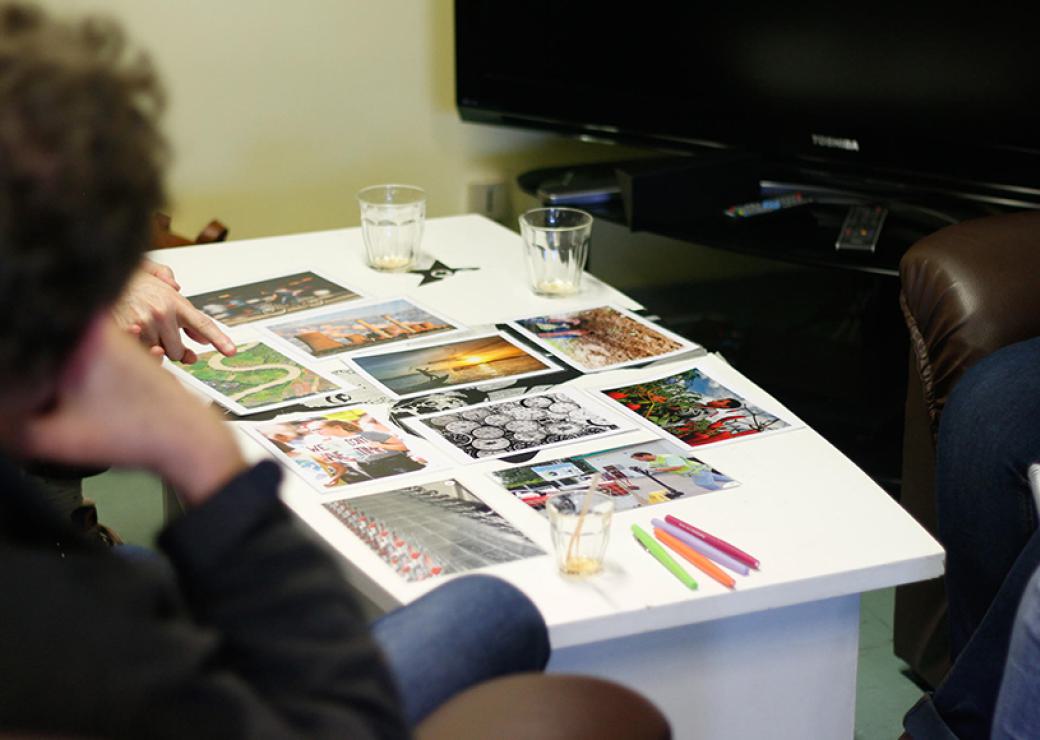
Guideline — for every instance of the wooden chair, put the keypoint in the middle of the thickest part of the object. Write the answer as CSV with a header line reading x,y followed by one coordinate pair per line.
x,y
163,238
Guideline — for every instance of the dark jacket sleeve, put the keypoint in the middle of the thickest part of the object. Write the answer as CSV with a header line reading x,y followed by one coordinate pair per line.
x,y
261,639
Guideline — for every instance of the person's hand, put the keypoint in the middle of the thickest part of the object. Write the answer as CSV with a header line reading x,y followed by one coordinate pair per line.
x,y
114,406
161,271
152,309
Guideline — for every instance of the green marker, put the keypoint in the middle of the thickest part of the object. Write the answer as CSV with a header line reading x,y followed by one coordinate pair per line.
x,y
650,545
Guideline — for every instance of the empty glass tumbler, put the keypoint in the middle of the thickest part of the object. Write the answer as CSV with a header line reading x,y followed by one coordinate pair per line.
x,y
392,219
556,246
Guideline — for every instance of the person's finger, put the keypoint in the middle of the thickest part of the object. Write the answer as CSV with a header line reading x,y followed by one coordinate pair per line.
x,y
161,271
157,352
203,329
170,337
189,357
146,333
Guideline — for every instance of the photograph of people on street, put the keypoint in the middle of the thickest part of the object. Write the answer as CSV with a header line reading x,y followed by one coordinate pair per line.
x,y
635,475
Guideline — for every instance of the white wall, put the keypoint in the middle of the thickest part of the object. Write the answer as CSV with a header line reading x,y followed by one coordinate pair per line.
x,y
281,111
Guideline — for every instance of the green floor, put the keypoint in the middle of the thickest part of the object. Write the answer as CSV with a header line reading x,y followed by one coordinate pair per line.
x,y
131,503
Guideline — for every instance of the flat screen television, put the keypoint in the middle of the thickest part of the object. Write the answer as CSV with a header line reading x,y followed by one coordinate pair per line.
x,y
926,101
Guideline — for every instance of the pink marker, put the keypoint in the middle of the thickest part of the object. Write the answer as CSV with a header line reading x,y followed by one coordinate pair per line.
x,y
734,552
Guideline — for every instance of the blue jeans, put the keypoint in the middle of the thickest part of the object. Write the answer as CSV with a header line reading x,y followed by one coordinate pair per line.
x,y
988,436
1018,706
467,631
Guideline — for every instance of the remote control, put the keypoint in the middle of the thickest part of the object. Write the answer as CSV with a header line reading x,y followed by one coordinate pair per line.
x,y
861,229
769,205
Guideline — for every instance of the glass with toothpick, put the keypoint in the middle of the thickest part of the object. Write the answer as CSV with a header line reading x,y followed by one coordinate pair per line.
x,y
580,526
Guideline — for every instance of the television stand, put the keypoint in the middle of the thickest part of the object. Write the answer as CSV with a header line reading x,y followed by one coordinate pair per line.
x,y
804,236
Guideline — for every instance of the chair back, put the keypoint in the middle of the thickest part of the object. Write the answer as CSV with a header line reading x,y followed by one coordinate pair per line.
x,y
163,237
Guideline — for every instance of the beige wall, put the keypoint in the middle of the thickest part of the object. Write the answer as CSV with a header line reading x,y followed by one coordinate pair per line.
x,y
280,111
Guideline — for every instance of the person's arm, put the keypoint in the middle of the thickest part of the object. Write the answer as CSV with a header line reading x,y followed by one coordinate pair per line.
x,y
393,444
272,643
671,463
152,309
294,654
385,441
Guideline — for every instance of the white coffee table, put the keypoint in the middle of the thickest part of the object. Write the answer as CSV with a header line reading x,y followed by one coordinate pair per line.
x,y
774,658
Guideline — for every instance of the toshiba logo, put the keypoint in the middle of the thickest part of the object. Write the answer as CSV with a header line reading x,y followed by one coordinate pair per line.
x,y
835,142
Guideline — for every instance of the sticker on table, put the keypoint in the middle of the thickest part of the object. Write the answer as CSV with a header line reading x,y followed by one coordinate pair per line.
x,y
351,446
266,299
524,424
459,363
694,408
635,475
360,327
432,530
601,338
257,378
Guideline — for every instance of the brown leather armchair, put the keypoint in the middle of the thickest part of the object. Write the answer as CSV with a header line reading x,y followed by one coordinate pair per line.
x,y
966,291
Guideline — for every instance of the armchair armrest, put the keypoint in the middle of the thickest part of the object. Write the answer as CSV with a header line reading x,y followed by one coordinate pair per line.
x,y
547,707
968,290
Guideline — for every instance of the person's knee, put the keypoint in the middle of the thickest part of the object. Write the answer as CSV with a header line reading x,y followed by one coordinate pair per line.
x,y
1004,381
493,601
991,411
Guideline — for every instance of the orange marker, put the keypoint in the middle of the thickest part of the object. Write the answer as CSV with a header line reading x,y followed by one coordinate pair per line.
x,y
696,558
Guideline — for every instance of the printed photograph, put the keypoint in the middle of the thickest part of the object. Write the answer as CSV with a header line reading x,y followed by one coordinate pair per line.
x,y
635,475
361,327
603,337
267,299
465,362
524,424
257,378
431,530
694,408
344,447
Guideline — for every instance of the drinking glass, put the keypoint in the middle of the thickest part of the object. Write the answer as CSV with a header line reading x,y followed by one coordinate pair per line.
x,y
556,245
392,219
580,526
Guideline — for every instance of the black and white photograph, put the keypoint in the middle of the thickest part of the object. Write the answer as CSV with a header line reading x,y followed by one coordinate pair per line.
x,y
525,424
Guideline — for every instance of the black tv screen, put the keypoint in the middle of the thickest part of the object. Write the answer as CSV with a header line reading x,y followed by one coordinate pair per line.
x,y
938,97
